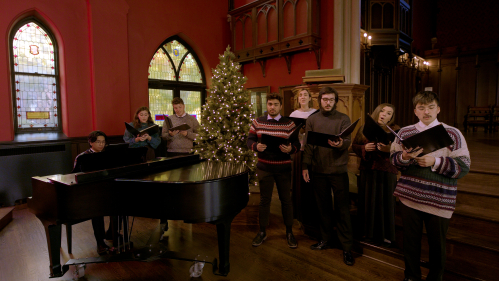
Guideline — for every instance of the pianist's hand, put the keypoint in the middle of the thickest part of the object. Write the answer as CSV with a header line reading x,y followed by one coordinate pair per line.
x,y
261,147
183,133
172,133
285,148
335,143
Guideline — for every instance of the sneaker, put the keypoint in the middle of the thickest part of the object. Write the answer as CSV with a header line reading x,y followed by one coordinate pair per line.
x,y
259,238
291,240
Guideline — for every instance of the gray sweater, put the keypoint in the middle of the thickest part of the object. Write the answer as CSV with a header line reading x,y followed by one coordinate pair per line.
x,y
327,160
179,143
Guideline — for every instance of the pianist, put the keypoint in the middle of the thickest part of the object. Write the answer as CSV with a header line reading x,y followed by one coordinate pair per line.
x,y
97,141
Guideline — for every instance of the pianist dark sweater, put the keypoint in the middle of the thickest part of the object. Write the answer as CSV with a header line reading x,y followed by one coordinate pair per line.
x,y
279,161
78,169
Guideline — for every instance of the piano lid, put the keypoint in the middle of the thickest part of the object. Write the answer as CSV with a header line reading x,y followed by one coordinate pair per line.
x,y
200,172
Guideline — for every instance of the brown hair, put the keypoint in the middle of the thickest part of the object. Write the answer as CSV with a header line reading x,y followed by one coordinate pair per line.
x,y
274,96
177,100
361,139
375,114
425,97
328,90
136,120
310,103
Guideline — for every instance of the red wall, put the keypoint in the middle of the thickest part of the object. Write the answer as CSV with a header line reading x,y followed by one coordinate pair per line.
x,y
104,52
276,69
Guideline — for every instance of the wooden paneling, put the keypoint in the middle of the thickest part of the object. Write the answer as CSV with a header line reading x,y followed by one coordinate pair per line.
x,y
288,16
301,17
238,30
468,77
248,32
272,25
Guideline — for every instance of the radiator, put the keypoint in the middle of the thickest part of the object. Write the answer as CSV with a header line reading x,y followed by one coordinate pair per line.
x,y
18,163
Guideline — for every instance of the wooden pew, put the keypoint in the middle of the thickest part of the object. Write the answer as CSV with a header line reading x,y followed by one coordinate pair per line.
x,y
477,116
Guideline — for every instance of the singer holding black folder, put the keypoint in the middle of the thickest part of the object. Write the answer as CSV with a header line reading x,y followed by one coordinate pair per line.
x,y
180,142
378,177
274,166
427,188
142,120
326,169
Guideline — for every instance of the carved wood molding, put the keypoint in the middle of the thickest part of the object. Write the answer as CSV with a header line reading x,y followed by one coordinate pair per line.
x,y
288,62
263,64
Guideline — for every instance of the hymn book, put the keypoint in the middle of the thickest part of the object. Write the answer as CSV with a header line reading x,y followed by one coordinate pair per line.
x,y
320,139
375,133
273,142
151,130
430,140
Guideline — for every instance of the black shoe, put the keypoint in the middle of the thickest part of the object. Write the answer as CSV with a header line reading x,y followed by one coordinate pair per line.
x,y
291,240
258,240
348,258
102,249
408,279
320,246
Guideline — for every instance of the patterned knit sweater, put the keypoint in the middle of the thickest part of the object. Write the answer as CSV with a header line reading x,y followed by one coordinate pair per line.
x,y
431,189
269,161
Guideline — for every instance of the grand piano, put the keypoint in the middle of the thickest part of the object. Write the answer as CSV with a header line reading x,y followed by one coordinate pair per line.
x,y
179,188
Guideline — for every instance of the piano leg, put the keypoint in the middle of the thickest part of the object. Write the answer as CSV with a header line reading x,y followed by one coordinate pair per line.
x,y
223,232
53,234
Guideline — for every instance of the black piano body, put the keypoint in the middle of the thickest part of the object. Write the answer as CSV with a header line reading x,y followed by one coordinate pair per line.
x,y
178,188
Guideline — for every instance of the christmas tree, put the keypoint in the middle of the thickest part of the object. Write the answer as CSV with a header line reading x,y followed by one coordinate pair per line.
x,y
226,117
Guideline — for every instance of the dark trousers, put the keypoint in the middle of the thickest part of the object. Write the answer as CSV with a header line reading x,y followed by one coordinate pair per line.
x,y
436,229
322,184
283,183
99,228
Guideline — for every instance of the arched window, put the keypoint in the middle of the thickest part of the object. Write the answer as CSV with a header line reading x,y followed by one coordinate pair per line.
x,y
175,71
35,78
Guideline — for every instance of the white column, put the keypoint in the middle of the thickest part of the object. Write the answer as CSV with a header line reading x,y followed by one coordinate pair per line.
x,y
347,39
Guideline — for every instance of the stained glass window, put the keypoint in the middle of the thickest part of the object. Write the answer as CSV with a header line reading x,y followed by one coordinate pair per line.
x,y
35,79
192,105
160,104
161,67
175,71
189,71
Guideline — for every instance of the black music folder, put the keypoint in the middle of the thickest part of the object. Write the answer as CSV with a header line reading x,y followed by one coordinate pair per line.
x,y
375,133
430,140
274,142
183,127
151,130
320,139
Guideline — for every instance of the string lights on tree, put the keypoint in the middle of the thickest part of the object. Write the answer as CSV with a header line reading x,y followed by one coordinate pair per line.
x,y
226,117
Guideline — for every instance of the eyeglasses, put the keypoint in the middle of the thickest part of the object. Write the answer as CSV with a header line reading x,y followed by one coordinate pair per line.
x,y
328,100
100,142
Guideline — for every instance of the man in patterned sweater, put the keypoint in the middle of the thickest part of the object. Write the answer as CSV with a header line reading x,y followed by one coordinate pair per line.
x,y
274,166
427,188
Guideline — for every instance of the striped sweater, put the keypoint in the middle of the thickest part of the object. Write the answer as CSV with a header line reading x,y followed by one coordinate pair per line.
x,y
269,161
431,189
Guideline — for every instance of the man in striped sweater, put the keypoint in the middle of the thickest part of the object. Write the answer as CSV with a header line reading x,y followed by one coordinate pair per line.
x,y
274,166
427,188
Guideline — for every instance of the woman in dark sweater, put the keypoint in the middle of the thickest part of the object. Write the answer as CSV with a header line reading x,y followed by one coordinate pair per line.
x,y
143,120
378,178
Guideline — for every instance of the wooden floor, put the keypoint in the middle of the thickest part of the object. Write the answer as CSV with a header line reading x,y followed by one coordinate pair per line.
x,y
23,254
23,248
